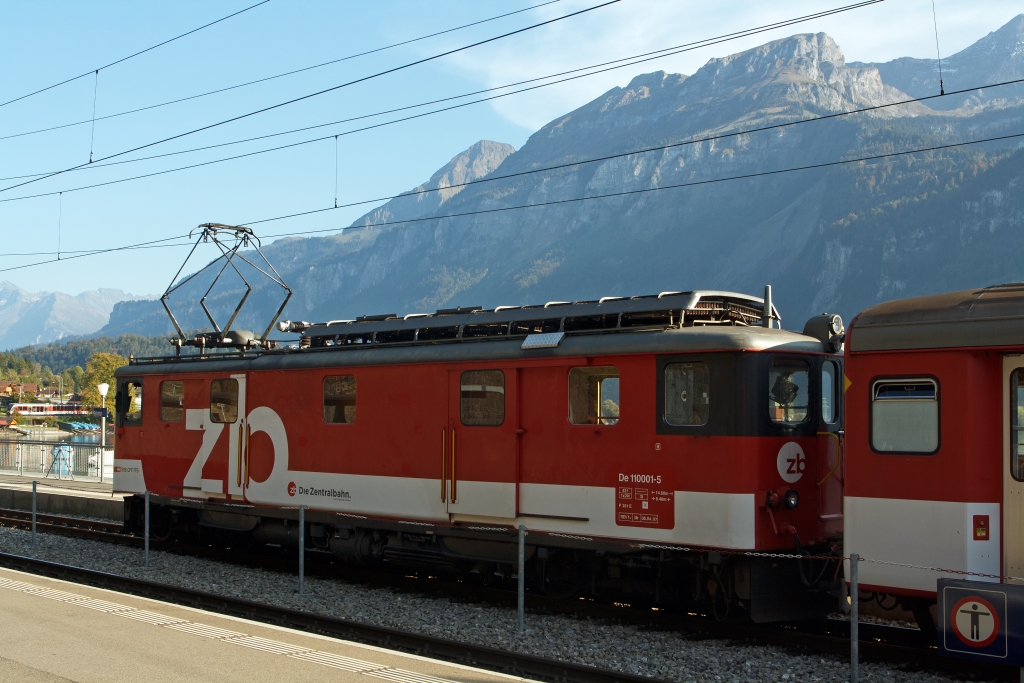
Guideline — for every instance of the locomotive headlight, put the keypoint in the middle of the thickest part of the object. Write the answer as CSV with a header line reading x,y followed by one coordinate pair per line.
x,y
791,499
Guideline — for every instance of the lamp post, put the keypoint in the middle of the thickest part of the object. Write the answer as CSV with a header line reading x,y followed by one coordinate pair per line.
x,y
103,388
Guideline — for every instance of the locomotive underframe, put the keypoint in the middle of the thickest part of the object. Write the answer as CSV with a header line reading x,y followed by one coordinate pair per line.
x,y
719,583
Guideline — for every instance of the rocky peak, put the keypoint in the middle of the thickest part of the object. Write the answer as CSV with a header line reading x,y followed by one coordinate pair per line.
x,y
806,70
477,161
997,57
474,163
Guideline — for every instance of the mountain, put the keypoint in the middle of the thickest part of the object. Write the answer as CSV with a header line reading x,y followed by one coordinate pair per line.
x,y
997,57
722,213
33,318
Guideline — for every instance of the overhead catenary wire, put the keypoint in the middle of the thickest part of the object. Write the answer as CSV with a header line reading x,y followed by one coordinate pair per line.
x,y
324,91
280,75
619,64
131,56
162,243
490,179
624,193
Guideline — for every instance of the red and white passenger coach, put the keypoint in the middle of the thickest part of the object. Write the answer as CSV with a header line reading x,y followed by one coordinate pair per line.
x,y
935,440
616,431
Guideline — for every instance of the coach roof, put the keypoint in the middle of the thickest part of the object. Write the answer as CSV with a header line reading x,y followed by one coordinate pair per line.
x,y
991,316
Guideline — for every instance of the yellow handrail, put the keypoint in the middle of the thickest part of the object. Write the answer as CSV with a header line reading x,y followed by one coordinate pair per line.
x,y
839,454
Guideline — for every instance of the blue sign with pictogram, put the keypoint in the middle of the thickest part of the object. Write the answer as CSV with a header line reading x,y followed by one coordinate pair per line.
x,y
981,621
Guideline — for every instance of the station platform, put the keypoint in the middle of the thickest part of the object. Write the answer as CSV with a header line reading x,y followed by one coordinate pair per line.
x,y
62,497
59,631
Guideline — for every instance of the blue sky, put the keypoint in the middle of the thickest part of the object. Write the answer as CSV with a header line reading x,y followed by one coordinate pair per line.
x,y
45,42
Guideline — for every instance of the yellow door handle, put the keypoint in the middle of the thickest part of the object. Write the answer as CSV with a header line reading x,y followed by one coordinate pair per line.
x,y
455,495
248,432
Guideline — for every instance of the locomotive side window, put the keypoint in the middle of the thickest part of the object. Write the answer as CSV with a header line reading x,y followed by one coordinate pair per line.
x,y
594,396
224,400
788,397
1017,425
686,394
905,416
340,399
829,392
132,403
482,397
172,401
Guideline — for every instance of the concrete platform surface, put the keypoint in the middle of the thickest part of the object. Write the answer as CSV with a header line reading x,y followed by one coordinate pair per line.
x,y
71,487
54,499
60,631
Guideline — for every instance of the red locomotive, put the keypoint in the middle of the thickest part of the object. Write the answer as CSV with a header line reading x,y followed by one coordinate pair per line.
x,y
616,431
664,446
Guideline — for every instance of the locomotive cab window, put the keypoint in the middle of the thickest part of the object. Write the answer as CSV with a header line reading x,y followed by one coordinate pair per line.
x,y
129,403
172,401
829,392
224,400
340,399
686,394
788,395
905,416
482,398
1017,424
594,396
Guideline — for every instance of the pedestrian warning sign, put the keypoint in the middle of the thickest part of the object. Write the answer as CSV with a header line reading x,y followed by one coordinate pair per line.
x,y
981,621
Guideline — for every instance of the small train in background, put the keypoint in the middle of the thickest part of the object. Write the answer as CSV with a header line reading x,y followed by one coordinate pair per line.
x,y
659,448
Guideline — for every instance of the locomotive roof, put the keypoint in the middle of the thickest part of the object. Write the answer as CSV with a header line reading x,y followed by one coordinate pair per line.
x,y
990,316
665,323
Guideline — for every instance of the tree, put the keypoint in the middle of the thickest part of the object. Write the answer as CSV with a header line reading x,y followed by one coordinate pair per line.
x,y
99,369
73,379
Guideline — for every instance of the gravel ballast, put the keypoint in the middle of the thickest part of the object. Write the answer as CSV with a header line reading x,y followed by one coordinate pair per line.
x,y
661,654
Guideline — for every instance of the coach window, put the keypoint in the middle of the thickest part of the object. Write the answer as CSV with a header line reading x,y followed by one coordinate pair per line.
x,y
788,399
224,400
1017,420
132,403
905,416
172,401
340,399
482,398
686,394
829,392
594,396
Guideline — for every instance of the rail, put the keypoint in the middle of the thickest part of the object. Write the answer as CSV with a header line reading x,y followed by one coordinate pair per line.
x,y
876,642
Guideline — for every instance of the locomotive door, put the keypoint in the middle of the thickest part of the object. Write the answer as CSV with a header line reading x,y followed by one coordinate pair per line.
x,y
479,455
1013,466
227,407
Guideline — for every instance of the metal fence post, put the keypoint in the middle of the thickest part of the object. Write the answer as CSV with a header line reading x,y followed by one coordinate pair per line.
x,y
302,548
854,618
522,576
146,561
33,512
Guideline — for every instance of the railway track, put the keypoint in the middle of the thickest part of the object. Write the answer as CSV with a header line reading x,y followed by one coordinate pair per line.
x,y
878,642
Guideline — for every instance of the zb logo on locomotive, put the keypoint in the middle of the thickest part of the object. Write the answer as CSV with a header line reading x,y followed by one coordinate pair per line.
x,y
791,462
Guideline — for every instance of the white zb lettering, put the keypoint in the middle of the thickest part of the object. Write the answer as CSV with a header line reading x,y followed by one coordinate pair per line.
x,y
791,462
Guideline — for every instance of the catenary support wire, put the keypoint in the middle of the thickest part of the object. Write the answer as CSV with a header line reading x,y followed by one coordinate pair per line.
x,y
135,54
282,75
324,91
157,244
60,217
92,133
938,55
